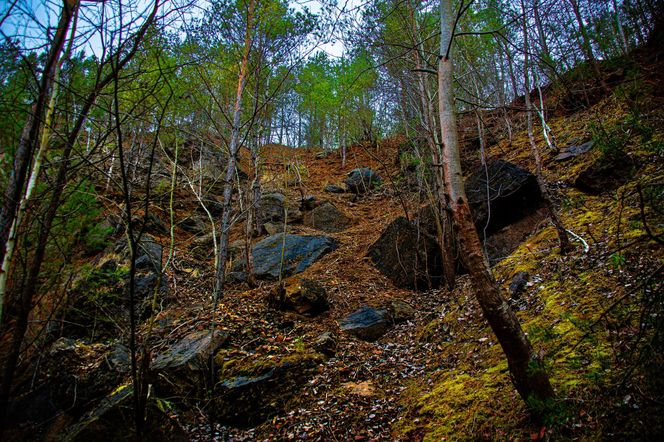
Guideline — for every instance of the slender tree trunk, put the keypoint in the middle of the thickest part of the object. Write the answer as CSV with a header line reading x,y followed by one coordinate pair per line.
x,y
233,149
34,173
30,135
587,44
441,211
565,245
621,31
528,373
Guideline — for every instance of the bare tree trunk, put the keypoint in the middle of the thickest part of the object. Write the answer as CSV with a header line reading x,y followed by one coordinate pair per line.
x,y
528,372
565,245
233,148
441,212
586,44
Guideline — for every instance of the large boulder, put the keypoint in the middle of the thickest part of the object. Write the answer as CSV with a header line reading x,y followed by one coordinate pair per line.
x,y
362,180
510,194
327,218
299,253
367,323
409,256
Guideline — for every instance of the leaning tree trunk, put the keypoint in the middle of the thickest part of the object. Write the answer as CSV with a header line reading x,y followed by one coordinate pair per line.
x,y
527,369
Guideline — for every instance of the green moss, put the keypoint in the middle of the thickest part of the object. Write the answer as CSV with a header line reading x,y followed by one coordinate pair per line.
x,y
254,365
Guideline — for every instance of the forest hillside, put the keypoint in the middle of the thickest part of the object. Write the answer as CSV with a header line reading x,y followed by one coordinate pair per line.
x,y
212,231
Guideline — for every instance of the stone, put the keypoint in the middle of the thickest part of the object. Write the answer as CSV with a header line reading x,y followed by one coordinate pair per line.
x,y
300,252
362,180
149,254
401,311
182,368
411,258
513,193
333,188
272,209
366,323
573,151
606,174
119,358
518,284
327,218
326,343
63,344
304,296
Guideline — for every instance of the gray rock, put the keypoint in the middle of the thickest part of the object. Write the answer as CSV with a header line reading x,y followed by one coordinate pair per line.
x,y
518,284
300,252
327,218
366,323
333,188
181,369
149,253
606,174
573,151
362,180
326,343
251,397
192,352
272,209
61,345
119,358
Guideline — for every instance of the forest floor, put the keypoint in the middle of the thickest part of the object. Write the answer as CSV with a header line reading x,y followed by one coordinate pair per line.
x,y
441,375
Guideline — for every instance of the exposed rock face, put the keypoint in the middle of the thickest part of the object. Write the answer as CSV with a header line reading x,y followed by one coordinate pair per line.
x,y
362,180
512,194
366,323
410,257
327,218
606,174
300,252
